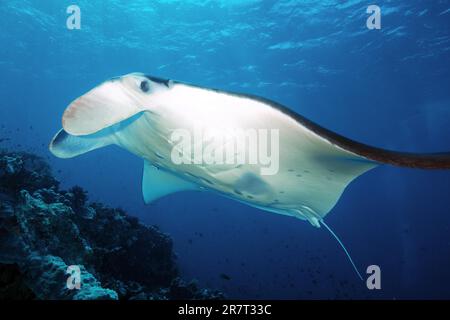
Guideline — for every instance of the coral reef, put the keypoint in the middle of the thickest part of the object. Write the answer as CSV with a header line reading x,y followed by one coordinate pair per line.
x,y
44,230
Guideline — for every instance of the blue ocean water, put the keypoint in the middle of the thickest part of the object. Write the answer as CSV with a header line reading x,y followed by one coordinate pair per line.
x,y
389,88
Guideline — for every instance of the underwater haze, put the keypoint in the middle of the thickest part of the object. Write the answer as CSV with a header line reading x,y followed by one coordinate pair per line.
x,y
387,87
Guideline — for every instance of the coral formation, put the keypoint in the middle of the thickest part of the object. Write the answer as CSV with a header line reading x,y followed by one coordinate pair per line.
x,y
43,230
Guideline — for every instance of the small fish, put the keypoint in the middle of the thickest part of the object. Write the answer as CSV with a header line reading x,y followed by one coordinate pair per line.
x,y
225,276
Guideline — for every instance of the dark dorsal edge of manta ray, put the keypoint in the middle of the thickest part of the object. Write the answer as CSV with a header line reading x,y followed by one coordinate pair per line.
x,y
140,113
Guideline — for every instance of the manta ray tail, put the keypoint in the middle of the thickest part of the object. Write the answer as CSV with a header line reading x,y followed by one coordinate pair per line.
x,y
404,159
343,247
401,159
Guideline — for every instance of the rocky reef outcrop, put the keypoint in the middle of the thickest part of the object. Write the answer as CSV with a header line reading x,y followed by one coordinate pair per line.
x,y
44,230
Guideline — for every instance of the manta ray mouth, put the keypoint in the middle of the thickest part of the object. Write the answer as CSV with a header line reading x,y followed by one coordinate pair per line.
x,y
102,107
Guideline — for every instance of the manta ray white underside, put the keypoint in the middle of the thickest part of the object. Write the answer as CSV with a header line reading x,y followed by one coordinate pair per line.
x,y
139,113
312,173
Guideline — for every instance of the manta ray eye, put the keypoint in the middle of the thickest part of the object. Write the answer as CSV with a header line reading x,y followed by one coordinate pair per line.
x,y
145,86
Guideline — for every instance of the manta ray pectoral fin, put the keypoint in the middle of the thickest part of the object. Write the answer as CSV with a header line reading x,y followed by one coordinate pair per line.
x,y
157,183
322,185
64,145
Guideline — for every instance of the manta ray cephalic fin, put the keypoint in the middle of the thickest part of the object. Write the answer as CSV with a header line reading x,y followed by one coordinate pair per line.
x,y
65,145
157,183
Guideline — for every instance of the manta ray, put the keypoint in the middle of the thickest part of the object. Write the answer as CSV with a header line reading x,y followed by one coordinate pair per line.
x,y
140,113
